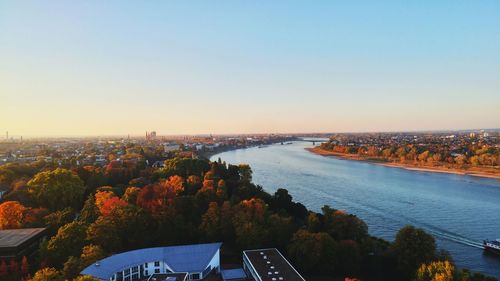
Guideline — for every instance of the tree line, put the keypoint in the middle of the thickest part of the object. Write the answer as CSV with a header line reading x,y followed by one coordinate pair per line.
x,y
91,213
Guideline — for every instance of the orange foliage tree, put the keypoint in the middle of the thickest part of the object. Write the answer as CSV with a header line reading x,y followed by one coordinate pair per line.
x,y
157,197
11,214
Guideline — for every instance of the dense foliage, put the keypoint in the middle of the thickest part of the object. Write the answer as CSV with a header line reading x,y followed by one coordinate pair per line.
x,y
91,212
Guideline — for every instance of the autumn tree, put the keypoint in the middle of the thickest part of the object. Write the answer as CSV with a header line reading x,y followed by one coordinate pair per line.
x,y
90,254
156,198
47,274
57,189
108,205
435,271
25,267
3,270
130,195
85,278
103,195
11,215
14,268
193,184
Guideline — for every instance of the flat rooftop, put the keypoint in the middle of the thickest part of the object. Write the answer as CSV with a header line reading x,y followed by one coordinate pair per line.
x,y
16,237
271,265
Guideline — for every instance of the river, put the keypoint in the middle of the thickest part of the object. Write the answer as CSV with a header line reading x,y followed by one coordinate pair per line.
x,y
460,211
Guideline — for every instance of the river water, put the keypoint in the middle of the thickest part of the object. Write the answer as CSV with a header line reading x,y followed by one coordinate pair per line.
x,y
460,211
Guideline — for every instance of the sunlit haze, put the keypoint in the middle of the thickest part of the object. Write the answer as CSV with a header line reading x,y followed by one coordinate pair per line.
x,y
71,68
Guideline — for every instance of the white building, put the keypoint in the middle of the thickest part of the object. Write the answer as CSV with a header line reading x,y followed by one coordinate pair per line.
x,y
196,261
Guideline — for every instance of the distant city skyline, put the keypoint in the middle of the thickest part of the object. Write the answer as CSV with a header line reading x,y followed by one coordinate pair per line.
x,y
94,68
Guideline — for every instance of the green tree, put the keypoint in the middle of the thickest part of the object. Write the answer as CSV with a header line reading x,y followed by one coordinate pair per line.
x,y
281,230
343,226
72,268
126,227
59,218
211,224
57,189
312,251
68,241
413,247
89,212
245,173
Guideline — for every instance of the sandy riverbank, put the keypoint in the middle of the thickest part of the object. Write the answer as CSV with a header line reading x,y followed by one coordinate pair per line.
x,y
411,167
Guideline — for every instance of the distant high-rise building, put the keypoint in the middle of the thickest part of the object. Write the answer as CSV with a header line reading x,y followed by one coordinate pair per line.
x,y
7,135
151,135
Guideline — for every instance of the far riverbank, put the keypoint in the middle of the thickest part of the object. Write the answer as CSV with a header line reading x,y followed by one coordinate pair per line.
x,y
407,166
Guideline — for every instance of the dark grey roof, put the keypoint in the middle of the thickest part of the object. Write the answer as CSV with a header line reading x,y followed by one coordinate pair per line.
x,y
185,258
15,237
232,274
271,265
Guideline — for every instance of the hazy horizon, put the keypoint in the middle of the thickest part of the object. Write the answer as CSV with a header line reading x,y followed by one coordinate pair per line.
x,y
187,68
159,134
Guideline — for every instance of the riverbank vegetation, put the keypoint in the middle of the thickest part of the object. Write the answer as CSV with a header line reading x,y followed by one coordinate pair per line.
x,y
469,155
92,212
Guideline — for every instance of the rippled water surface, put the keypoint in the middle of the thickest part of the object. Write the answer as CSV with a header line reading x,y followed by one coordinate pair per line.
x,y
460,211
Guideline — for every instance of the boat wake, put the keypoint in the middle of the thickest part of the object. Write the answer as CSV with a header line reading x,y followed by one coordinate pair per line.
x,y
398,219
456,238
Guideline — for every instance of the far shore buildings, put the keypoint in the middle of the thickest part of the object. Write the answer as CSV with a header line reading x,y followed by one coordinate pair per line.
x,y
191,262
18,243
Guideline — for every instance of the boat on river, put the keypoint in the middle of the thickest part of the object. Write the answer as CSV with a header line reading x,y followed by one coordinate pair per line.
x,y
492,246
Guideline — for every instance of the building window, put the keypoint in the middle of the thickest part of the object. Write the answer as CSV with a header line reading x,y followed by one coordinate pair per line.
x,y
157,270
127,271
127,278
157,263
135,277
195,276
135,269
146,272
146,265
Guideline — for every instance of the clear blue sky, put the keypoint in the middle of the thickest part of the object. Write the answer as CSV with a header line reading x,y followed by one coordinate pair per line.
x,y
123,67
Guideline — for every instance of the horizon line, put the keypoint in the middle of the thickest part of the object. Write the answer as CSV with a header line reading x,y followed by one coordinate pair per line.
x,y
72,136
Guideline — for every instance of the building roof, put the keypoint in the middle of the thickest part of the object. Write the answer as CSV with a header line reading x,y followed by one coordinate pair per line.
x,y
185,258
168,277
16,237
271,265
232,274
